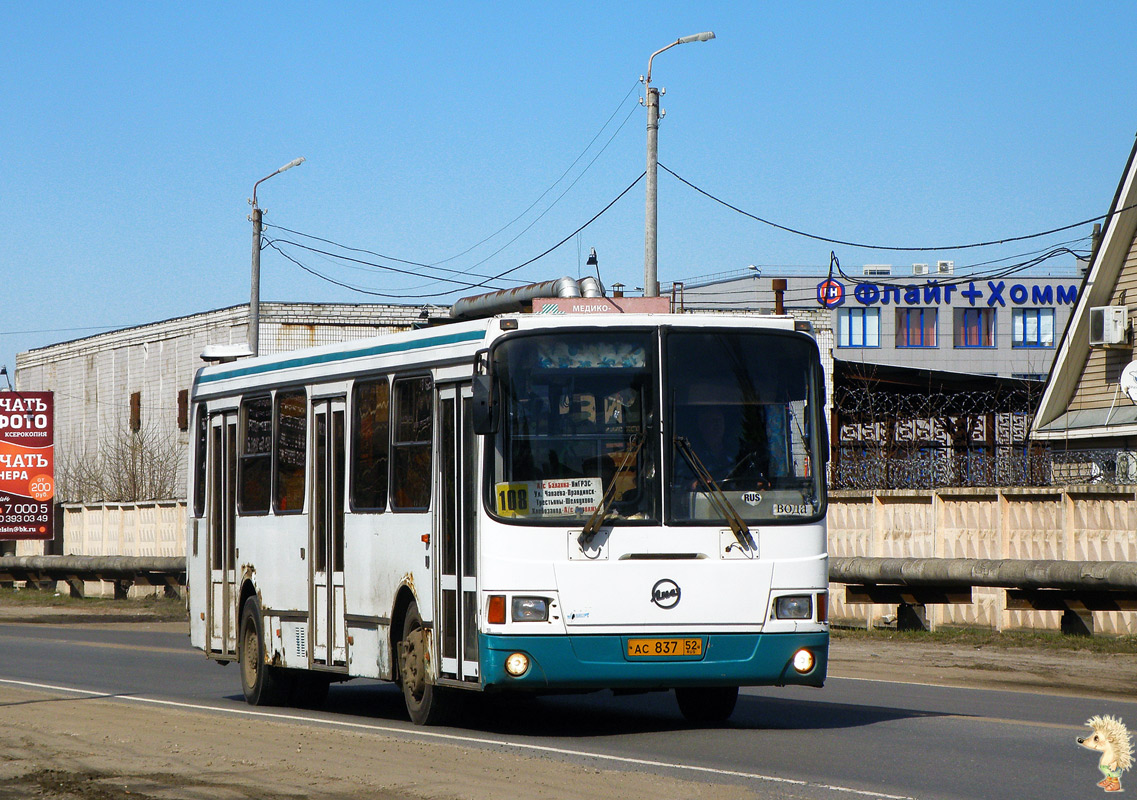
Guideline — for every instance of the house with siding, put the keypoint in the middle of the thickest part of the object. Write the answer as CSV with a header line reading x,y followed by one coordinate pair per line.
x,y
1086,408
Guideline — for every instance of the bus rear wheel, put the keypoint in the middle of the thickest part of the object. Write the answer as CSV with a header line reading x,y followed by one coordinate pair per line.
x,y
706,704
263,684
426,703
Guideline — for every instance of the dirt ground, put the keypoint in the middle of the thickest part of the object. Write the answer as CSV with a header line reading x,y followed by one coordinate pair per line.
x,y
80,748
1076,672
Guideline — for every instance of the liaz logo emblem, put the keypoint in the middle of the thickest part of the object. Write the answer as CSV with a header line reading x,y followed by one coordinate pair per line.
x,y
665,593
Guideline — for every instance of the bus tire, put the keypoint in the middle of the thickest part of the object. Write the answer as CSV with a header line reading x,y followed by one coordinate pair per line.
x,y
263,685
426,703
706,704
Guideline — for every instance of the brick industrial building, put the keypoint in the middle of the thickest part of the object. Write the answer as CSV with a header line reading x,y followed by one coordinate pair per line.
x,y
134,384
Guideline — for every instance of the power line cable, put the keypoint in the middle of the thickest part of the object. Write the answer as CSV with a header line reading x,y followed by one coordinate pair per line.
x,y
467,271
960,275
575,161
574,233
561,195
436,265
273,243
349,247
864,246
371,264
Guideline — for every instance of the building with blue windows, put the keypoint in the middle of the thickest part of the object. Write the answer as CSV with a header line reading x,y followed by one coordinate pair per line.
x,y
923,316
933,375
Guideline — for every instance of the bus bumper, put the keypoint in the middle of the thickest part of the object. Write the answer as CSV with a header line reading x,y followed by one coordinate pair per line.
x,y
601,662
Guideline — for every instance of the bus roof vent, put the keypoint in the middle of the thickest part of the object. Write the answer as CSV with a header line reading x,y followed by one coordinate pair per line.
x,y
514,300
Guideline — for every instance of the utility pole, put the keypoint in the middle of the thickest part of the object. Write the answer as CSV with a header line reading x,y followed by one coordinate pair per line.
x,y
255,281
651,211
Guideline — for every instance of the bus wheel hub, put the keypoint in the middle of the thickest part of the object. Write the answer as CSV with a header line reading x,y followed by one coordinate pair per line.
x,y
414,672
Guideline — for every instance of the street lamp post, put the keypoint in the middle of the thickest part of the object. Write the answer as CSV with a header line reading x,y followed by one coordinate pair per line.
x,y
255,289
651,282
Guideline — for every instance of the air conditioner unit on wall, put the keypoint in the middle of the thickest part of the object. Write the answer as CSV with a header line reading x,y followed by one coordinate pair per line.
x,y
920,269
945,267
1109,326
879,270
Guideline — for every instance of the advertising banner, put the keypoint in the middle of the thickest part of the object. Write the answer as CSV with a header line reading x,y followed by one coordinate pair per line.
x,y
27,477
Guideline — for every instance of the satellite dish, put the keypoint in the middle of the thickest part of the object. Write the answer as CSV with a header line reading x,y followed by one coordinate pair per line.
x,y
1129,380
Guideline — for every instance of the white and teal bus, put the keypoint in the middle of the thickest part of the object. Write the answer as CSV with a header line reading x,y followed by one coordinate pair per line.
x,y
528,503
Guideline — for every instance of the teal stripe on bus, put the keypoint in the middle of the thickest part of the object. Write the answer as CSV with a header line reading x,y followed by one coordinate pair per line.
x,y
329,358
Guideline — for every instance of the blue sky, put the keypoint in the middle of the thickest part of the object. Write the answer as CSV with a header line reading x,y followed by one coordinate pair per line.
x,y
131,135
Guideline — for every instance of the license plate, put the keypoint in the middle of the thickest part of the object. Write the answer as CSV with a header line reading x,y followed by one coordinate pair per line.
x,y
662,648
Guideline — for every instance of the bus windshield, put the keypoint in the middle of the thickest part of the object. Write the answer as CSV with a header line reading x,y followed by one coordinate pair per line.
x,y
743,408
577,409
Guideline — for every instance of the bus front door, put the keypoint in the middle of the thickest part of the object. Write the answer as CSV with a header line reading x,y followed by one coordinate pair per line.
x,y
456,530
220,611
326,596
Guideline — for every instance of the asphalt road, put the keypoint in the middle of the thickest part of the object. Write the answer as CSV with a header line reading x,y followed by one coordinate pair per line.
x,y
852,738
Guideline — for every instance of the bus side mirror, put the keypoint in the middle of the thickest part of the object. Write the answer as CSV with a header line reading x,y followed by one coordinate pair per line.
x,y
825,455
484,410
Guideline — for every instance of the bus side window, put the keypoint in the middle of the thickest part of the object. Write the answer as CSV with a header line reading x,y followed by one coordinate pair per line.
x,y
371,445
200,432
255,475
290,451
411,447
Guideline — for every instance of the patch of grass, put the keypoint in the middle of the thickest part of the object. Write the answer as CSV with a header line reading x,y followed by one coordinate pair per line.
x,y
984,637
162,608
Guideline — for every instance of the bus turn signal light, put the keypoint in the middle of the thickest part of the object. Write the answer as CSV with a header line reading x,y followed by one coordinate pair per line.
x,y
496,613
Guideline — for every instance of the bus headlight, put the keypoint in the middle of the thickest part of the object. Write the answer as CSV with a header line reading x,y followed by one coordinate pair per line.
x,y
517,664
803,661
530,609
794,606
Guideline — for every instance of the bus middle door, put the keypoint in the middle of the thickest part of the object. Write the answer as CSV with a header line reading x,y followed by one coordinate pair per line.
x,y
221,503
326,596
456,526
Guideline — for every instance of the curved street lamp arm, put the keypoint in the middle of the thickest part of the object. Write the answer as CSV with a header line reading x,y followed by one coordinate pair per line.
x,y
705,36
293,163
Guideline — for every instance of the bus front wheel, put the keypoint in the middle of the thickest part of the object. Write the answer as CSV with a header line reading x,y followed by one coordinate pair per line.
x,y
264,685
425,701
706,704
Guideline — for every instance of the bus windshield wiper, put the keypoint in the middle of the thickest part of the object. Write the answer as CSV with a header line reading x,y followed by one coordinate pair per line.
x,y
598,516
719,501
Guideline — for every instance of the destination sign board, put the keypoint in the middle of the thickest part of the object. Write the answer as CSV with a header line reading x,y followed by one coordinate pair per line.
x,y
549,498
27,477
